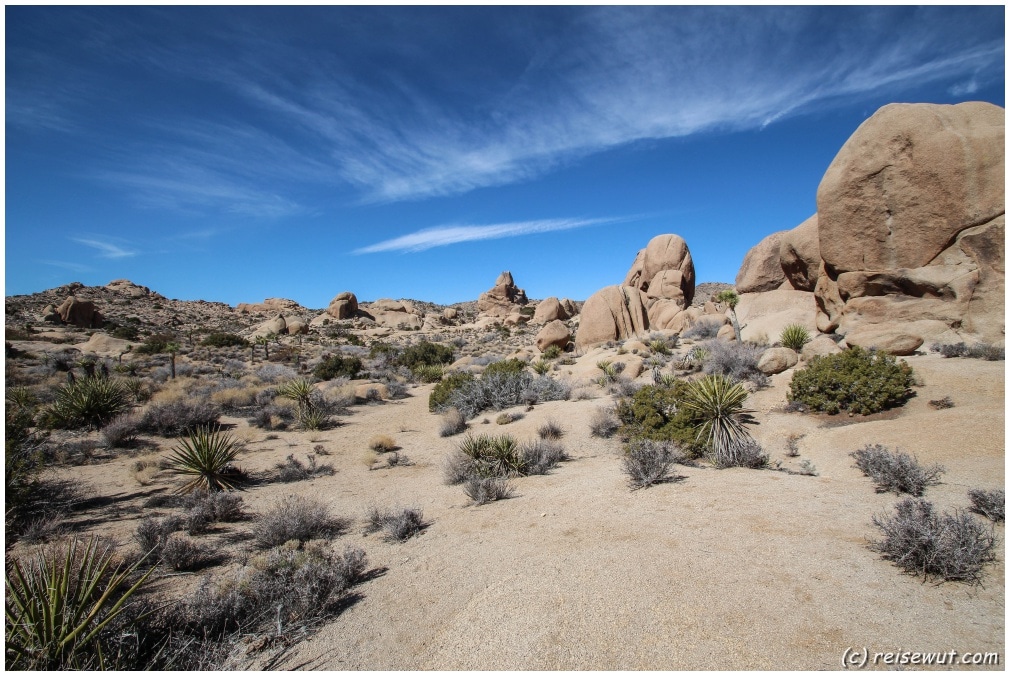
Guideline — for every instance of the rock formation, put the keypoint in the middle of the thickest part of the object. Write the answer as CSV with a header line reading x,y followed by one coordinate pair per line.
x,y
503,299
80,313
343,306
128,288
554,333
270,305
612,313
548,310
761,269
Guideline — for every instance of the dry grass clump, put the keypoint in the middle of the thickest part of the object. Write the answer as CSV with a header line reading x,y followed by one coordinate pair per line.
x,y
399,525
507,418
604,423
382,443
895,471
205,508
452,423
647,462
551,429
297,518
234,398
121,432
746,453
483,490
145,469
948,546
990,504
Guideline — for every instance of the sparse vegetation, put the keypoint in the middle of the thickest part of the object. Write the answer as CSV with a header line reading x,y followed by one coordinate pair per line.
x,y
736,361
949,546
483,490
717,404
91,402
703,329
604,423
335,366
983,351
550,429
895,471
297,518
399,525
855,380
990,504
176,418
658,413
425,353
794,336
647,462
221,339
941,403
207,456
452,423
293,469
382,443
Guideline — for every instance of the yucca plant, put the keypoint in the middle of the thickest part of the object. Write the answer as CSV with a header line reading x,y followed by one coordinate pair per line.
x,y
718,402
428,373
206,456
300,390
794,337
494,456
659,346
88,402
58,604
542,367
21,397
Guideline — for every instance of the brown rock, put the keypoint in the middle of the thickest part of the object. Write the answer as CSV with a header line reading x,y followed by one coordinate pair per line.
x,y
776,360
503,299
570,307
663,313
887,340
612,313
82,314
450,314
819,346
554,333
343,306
761,270
50,315
908,181
548,310
800,255
664,252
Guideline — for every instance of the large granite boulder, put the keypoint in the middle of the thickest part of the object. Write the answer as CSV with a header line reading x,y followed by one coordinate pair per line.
x,y
663,253
800,255
80,313
343,306
503,299
761,269
612,313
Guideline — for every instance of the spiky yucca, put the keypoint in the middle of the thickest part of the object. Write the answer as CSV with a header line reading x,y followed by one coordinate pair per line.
x,y
59,602
542,366
428,373
206,456
718,402
494,455
88,402
794,337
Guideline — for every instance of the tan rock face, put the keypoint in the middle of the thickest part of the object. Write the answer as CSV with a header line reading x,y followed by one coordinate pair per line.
x,y
282,305
764,315
886,340
761,269
548,310
664,252
612,313
910,224
819,346
343,306
83,314
776,360
128,288
503,299
554,333
907,181
800,255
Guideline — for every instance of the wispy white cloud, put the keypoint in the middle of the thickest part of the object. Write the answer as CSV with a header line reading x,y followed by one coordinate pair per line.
x,y
445,235
105,249
73,267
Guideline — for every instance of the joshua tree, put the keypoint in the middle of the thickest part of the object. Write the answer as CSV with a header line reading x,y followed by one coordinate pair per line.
x,y
172,349
730,299
265,342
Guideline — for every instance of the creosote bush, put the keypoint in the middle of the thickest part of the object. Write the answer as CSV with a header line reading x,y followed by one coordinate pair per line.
x,y
949,546
990,504
658,413
895,471
224,340
425,353
855,380
335,366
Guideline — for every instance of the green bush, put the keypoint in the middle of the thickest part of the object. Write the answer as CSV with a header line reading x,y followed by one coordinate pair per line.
x,y
657,412
856,380
87,402
504,366
794,337
335,366
553,352
440,396
224,340
155,344
425,354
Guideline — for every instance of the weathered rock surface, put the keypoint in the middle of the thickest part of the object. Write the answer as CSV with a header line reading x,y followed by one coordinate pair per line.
x,y
761,269
554,333
128,288
548,310
81,313
343,306
762,316
776,360
612,313
503,299
887,340
819,346
663,253
800,255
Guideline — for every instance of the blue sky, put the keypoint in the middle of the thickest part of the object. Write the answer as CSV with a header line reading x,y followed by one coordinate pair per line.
x,y
233,154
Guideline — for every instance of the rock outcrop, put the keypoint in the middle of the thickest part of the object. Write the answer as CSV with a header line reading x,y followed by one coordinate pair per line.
x,y
128,288
612,313
554,333
343,306
270,305
393,314
761,269
548,310
800,255
80,313
664,269
503,299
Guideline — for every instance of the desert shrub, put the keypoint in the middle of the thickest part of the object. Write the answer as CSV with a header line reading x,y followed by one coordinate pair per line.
x,y
443,391
895,471
949,546
452,423
553,352
206,456
294,470
205,508
550,429
542,366
659,346
604,422
399,525
297,518
505,367
539,456
610,371
657,413
224,340
855,380
89,402
172,419
703,330
507,418
493,455
272,417
979,351
155,344
152,533
794,336
183,554
382,443
273,373
234,399
121,432
545,388
483,490
717,406
736,361
335,366
282,592
425,353
502,389
746,453
428,373
990,504
943,402
21,397
140,390
648,462
63,606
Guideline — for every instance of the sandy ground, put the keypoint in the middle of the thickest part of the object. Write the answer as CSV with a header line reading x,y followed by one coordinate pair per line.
x,y
724,569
